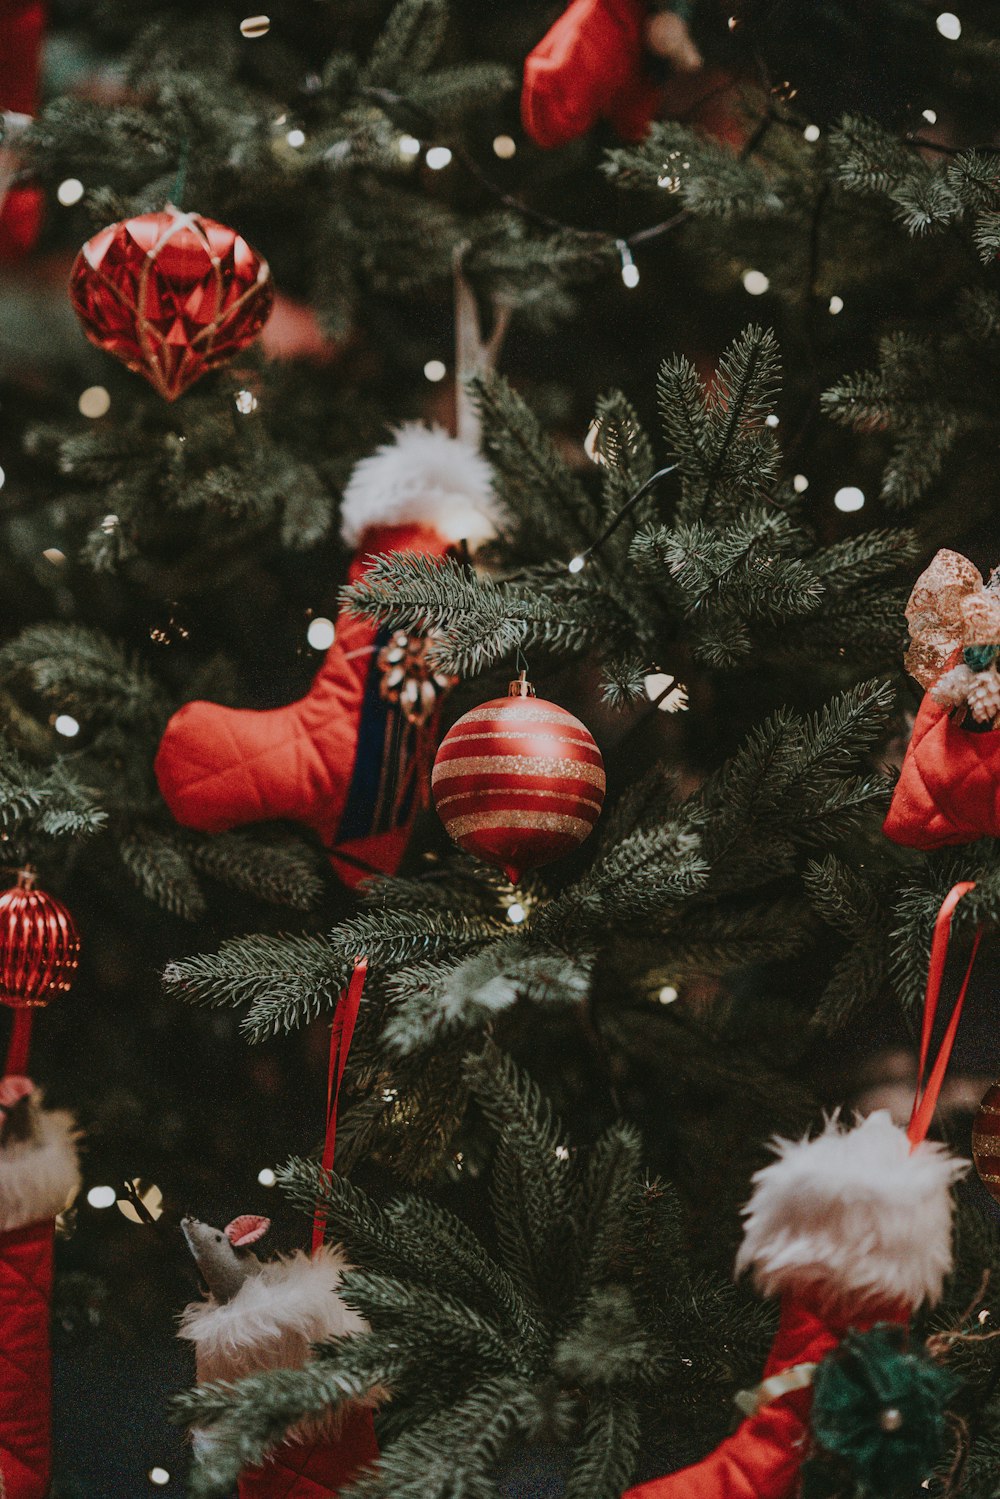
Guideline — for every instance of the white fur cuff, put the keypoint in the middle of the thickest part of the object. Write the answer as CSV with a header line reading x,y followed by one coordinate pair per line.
x,y
38,1177
422,476
853,1213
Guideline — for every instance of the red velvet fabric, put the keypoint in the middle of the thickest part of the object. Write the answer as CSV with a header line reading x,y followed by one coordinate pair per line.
x,y
25,1361
314,1470
949,788
590,66
22,23
761,1460
220,768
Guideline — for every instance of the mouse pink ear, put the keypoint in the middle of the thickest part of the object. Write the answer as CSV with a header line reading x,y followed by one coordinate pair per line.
x,y
246,1229
13,1088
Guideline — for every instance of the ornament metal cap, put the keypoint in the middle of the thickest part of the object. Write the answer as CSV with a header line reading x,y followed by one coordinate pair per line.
x,y
521,687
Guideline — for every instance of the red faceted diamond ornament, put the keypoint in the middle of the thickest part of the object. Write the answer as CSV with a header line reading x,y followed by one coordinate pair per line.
x,y
39,945
172,295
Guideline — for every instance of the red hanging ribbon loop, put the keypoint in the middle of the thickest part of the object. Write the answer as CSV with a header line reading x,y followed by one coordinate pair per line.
x,y
928,1091
16,1064
341,1035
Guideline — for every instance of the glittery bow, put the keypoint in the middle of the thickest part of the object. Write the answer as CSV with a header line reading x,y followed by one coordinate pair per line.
x,y
950,609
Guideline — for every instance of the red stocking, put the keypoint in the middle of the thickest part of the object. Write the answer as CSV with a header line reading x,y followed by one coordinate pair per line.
x,y
38,1176
347,759
21,26
590,66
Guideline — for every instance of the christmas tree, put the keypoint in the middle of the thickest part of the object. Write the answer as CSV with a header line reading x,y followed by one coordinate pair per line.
x,y
549,425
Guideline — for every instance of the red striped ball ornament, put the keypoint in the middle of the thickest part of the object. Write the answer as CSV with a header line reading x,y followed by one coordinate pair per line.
x,y
986,1141
518,781
39,945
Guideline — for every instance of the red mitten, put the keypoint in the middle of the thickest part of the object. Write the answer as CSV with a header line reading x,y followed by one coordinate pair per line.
x,y
38,1177
949,787
849,1229
21,26
589,66
348,759
279,1309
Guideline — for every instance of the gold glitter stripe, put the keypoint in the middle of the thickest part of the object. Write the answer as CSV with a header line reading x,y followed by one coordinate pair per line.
x,y
537,712
987,1144
989,1108
492,735
989,1178
537,822
577,797
522,765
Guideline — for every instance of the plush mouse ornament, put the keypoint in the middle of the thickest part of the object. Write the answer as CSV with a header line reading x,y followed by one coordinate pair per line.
x,y
266,1315
39,1176
949,787
352,758
850,1229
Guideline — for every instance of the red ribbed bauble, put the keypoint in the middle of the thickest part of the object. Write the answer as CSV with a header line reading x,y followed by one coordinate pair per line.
x,y
39,945
170,294
518,781
986,1141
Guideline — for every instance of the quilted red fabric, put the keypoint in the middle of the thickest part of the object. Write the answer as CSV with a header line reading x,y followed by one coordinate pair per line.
x,y
316,761
762,1459
314,1470
25,1363
21,25
590,66
949,788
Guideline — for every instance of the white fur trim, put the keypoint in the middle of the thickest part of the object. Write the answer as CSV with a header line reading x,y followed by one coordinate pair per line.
x,y
853,1214
422,476
272,1319
39,1176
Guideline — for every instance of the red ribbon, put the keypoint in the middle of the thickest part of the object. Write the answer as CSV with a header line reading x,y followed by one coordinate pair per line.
x,y
20,1043
925,1099
341,1035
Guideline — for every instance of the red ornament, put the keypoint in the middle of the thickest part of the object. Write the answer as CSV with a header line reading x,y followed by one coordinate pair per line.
x,y
39,945
986,1141
518,781
171,294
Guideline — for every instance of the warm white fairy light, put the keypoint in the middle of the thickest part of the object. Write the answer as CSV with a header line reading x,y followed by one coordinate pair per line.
x,y
836,305
109,524
438,157
504,146
849,498
771,420
94,402
435,370
253,26
755,282
55,556
3,477
102,1197
266,1177
800,483
811,133
930,115
562,1153
516,912
409,147
66,725
321,633
296,138
246,402
590,442
159,1476
669,695
575,565
667,994
69,192
949,25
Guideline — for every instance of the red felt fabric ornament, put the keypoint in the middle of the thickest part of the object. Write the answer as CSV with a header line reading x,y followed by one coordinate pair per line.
x,y
39,1176
22,26
518,781
172,295
949,787
849,1229
349,758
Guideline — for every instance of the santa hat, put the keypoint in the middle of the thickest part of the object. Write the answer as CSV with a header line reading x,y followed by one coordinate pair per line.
x,y
424,477
854,1213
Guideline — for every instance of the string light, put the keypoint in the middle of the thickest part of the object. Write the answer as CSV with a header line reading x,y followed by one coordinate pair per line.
x,y
562,1153
836,305
667,994
984,1316
296,138
669,695
630,271
800,483
139,1202
266,1177
930,115
246,402
771,420
321,633
409,147
590,442
575,565
504,146
435,370
438,157
949,26
109,524
516,912
69,192
3,477
755,282
94,402
159,1476
102,1197
811,133
66,725
55,556
252,26
849,498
